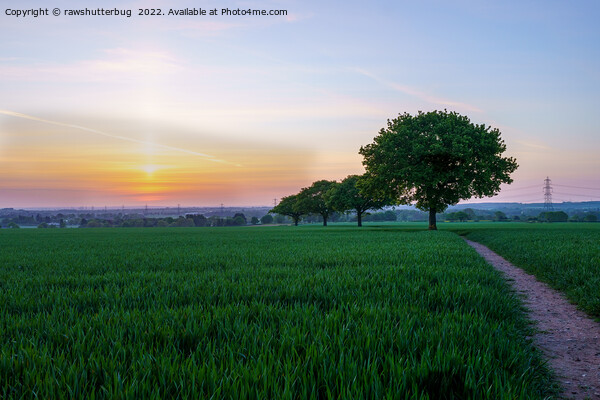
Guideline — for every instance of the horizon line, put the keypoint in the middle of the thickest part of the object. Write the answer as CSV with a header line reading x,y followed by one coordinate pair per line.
x,y
156,207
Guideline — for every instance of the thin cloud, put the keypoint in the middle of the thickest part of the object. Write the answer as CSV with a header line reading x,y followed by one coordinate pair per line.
x,y
208,157
112,65
127,60
416,93
536,146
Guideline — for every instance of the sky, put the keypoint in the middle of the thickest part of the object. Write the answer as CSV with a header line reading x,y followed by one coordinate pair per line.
x,y
199,110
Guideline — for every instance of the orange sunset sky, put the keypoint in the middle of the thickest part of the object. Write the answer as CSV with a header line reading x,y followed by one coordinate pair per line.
x,y
199,111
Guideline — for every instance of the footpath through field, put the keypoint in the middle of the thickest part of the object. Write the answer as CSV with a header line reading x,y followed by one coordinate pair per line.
x,y
568,337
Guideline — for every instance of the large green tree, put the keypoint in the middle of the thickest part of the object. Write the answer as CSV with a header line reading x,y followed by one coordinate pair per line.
x,y
347,196
314,199
434,160
289,206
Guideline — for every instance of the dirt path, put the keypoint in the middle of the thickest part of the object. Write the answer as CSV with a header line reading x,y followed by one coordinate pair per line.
x,y
568,337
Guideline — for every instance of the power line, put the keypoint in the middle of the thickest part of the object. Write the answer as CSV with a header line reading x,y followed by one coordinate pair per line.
x,y
520,188
528,191
578,187
580,195
515,196
520,193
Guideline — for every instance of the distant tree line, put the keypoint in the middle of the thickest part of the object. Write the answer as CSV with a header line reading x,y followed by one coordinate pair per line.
x,y
199,220
89,220
469,214
190,220
239,219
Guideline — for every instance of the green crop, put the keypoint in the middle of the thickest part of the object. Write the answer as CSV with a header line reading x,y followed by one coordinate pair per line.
x,y
258,313
564,255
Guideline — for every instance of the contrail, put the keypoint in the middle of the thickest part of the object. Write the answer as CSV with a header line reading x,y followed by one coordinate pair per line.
x,y
416,93
110,135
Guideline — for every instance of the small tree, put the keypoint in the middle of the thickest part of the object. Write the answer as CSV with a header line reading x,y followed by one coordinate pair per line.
x,y
390,215
500,216
436,159
470,213
315,199
451,216
254,221
553,216
238,220
199,219
462,216
289,206
266,219
347,196
241,215
589,217
161,223
183,222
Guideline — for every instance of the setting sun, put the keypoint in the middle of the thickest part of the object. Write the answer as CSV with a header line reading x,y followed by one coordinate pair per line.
x,y
150,168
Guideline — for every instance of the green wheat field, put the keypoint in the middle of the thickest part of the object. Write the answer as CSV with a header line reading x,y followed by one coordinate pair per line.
x,y
388,311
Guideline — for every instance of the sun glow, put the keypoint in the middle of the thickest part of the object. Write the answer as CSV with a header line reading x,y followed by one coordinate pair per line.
x,y
150,168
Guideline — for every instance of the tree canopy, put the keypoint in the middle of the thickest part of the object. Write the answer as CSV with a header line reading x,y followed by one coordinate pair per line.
x,y
434,160
314,199
347,196
266,219
553,216
289,206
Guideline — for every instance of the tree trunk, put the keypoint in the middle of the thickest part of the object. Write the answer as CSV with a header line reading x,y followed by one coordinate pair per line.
x,y
296,221
359,217
324,221
432,221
